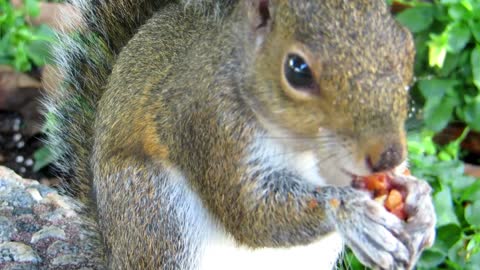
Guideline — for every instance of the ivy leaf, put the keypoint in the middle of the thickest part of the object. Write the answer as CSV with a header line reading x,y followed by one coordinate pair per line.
x,y
458,37
460,12
473,246
417,19
438,109
471,113
447,236
435,88
472,214
461,258
437,50
471,189
438,113
475,29
43,157
431,259
444,207
475,61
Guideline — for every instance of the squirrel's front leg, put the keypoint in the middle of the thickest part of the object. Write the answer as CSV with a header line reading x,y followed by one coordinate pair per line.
x,y
264,203
278,208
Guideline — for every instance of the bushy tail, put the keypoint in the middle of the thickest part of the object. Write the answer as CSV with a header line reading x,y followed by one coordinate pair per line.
x,y
84,61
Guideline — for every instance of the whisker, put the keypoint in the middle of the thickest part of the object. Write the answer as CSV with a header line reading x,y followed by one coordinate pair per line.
x,y
327,158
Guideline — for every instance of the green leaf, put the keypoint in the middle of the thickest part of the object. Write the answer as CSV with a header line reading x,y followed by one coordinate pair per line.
x,y
457,253
449,2
32,7
43,157
437,50
38,51
435,88
462,258
469,188
438,113
460,12
416,19
475,61
458,37
472,214
475,29
473,262
471,113
473,245
431,259
438,109
349,261
446,237
444,208
449,65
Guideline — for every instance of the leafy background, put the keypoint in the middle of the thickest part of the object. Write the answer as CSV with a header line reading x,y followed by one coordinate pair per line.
x,y
446,91
23,46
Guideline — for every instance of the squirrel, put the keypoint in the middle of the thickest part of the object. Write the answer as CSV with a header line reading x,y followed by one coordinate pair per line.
x,y
216,134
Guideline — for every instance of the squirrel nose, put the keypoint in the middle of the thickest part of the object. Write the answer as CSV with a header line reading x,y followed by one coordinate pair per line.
x,y
384,158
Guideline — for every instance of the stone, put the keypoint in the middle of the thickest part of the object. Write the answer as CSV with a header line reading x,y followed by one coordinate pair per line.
x,y
18,252
22,266
48,232
67,260
26,223
49,229
7,229
61,247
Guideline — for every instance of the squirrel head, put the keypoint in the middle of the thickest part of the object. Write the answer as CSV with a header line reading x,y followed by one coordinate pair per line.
x,y
335,75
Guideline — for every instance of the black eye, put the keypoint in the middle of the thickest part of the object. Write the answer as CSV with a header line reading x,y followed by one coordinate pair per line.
x,y
298,72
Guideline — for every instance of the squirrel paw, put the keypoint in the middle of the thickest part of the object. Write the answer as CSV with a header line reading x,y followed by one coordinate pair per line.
x,y
378,238
420,225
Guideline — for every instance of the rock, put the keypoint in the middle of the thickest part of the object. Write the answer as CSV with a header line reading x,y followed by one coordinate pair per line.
x,y
18,252
60,248
67,260
21,266
48,232
41,229
7,229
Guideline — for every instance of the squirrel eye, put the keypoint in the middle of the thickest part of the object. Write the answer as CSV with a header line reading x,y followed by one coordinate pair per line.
x,y
298,72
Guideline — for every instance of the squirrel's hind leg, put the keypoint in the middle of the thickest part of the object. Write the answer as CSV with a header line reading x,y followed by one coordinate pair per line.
x,y
147,217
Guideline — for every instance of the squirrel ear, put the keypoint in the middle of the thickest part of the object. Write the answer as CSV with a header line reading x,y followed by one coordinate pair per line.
x,y
260,18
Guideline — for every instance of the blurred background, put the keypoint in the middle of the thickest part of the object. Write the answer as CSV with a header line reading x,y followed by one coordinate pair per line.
x,y
443,128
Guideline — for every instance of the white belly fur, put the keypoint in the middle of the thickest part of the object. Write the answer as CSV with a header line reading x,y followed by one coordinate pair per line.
x,y
218,250
222,253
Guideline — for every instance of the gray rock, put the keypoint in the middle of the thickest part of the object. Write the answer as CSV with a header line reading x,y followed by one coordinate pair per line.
x,y
61,248
26,223
22,266
17,198
44,190
67,260
5,210
7,229
54,216
48,232
18,252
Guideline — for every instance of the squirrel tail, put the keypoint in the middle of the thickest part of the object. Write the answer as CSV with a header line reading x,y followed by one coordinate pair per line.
x,y
84,62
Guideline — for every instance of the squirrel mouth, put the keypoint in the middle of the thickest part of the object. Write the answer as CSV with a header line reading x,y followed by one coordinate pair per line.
x,y
352,175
